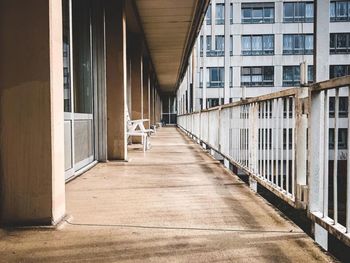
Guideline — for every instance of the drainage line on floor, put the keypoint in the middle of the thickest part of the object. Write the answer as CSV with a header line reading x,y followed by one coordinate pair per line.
x,y
187,228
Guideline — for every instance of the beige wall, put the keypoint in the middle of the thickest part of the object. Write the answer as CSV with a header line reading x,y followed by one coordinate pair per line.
x,y
116,70
31,112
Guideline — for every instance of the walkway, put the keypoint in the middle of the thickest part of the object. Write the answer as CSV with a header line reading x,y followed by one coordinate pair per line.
x,y
172,204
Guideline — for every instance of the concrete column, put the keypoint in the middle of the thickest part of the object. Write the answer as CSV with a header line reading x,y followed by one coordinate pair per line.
x,y
151,101
136,81
31,113
145,94
227,57
116,73
321,72
321,41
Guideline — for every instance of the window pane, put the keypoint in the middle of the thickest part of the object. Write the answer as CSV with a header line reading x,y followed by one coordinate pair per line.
x,y
246,71
309,10
268,43
201,43
257,13
341,9
208,15
288,11
220,13
66,58
288,43
257,43
341,41
246,13
268,13
339,70
332,9
298,43
246,44
82,58
310,74
208,43
214,74
299,11
287,73
309,43
332,40
268,73
296,73
219,43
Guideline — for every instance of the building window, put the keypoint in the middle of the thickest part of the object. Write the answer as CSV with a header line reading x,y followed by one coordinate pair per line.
x,y
256,13
257,76
201,45
291,75
209,43
340,43
231,77
231,13
294,12
339,11
310,74
208,16
258,45
220,14
201,77
219,47
231,45
342,138
213,102
343,107
216,77
298,44
336,71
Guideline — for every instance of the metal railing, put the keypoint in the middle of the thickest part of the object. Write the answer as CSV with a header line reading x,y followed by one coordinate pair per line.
x,y
329,167
267,138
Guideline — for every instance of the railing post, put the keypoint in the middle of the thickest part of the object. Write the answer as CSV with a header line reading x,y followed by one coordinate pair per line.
x,y
315,156
301,148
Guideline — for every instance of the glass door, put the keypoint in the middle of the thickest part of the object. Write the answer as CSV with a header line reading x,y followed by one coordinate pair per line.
x,y
78,86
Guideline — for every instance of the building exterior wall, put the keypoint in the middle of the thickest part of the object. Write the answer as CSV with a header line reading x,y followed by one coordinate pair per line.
x,y
232,27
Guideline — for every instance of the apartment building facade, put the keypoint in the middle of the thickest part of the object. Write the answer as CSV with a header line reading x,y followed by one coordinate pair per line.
x,y
250,48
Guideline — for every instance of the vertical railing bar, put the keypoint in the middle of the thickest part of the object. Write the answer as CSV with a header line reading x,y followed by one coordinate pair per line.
x,y
263,139
239,134
335,162
269,143
235,123
326,153
273,141
287,144
293,146
246,136
281,141
277,142
260,139
348,171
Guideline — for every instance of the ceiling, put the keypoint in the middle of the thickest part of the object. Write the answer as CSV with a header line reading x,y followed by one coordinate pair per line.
x,y
170,28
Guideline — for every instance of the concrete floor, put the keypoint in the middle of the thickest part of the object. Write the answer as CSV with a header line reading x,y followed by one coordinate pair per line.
x,y
172,204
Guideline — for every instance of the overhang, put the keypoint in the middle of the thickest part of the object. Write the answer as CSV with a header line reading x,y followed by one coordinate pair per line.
x,y
170,28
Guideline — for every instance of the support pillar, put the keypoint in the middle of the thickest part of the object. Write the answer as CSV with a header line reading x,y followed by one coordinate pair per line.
x,y
145,94
321,72
31,113
136,80
152,120
116,75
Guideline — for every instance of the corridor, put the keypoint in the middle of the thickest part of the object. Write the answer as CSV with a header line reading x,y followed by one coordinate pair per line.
x,y
173,203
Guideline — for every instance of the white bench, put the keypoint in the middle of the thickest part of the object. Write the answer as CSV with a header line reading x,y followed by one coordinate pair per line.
x,y
137,128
